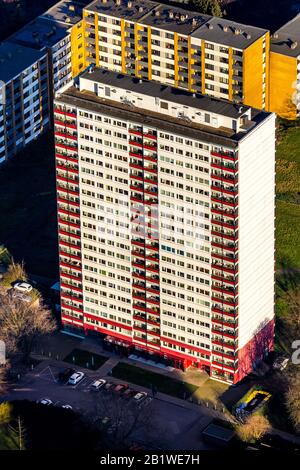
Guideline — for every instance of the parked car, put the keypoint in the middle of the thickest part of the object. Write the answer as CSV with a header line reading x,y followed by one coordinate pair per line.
x,y
121,388
129,393
75,378
65,374
45,401
98,384
108,386
67,407
140,396
280,363
23,286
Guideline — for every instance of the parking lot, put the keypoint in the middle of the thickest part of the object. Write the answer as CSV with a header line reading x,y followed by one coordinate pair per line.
x,y
179,426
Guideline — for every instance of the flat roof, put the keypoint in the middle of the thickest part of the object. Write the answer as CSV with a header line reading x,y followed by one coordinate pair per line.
x,y
218,432
286,40
222,136
177,95
176,19
229,33
41,33
66,11
15,58
134,12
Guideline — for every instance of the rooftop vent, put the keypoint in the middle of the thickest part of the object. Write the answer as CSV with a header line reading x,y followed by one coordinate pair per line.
x,y
118,2
68,20
129,4
248,36
141,9
241,109
171,14
71,7
210,26
237,31
182,17
294,45
194,22
225,28
275,35
157,13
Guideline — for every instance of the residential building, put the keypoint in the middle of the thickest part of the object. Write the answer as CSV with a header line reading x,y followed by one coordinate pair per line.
x,y
166,221
24,102
285,70
181,48
42,51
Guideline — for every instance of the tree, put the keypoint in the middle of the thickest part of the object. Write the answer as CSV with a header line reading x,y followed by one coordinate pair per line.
x,y
254,428
18,433
208,7
15,272
121,422
292,399
21,323
5,413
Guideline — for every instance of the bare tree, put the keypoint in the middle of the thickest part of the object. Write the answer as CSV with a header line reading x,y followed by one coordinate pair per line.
x,y
121,422
18,434
21,323
15,272
254,428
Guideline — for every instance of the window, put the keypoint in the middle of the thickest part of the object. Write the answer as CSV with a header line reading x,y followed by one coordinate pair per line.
x,y
164,105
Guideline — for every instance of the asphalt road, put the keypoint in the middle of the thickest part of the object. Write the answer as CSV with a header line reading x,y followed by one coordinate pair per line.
x,y
179,426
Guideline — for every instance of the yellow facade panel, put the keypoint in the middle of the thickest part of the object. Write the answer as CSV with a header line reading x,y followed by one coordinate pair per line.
x,y
253,75
283,77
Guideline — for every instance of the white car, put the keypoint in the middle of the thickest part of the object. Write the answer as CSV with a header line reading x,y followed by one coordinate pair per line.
x,y
75,378
98,384
140,397
45,401
23,286
67,407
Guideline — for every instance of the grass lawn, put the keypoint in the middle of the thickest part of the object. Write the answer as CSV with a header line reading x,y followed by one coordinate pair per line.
x,y
85,359
28,226
147,379
211,391
288,233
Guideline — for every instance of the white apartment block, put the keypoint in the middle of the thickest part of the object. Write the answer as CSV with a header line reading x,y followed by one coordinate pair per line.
x,y
24,97
166,222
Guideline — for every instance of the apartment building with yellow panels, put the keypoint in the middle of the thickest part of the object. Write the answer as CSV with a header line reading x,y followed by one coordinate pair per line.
x,y
285,70
177,47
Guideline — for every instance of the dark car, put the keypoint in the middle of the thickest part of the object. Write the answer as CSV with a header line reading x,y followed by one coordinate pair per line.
x,y
65,374
121,388
129,393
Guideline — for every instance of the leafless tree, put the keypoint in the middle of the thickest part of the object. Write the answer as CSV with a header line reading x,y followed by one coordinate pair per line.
x,y
122,422
21,323
254,428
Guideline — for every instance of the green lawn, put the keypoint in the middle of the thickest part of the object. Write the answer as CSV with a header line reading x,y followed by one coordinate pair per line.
x,y
288,196
288,234
85,359
147,379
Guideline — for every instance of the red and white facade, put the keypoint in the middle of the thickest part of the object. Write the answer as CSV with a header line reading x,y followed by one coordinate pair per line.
x,y
166,221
